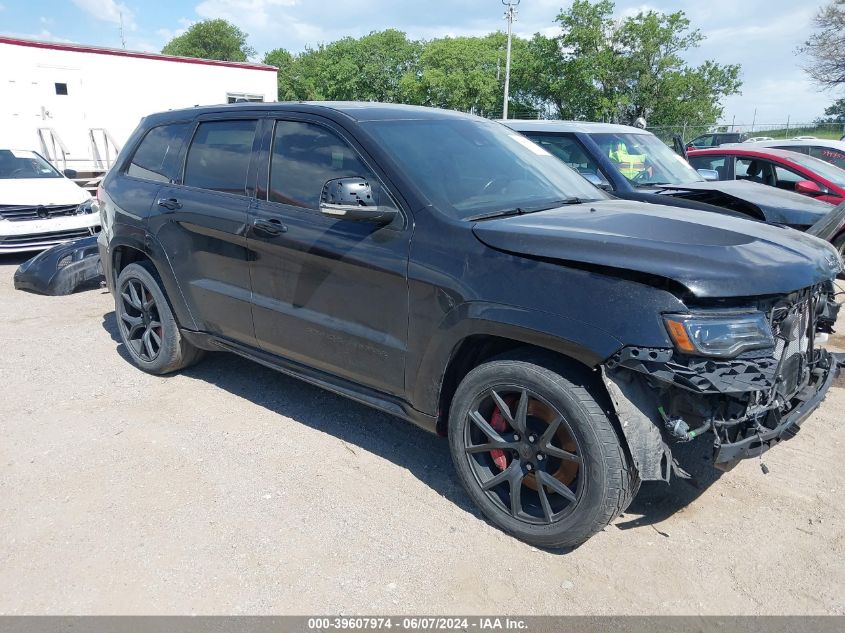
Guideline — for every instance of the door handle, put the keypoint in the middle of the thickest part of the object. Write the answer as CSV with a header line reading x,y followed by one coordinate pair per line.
x,y
268,228
171,204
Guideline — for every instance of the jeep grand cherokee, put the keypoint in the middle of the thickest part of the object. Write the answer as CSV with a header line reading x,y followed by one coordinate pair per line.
x,y
447,270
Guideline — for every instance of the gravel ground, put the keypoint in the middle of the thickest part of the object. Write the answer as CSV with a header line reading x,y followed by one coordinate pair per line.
x,y
233,489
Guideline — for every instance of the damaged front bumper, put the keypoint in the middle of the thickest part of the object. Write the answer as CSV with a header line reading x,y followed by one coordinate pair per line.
x,y
658,398
757,441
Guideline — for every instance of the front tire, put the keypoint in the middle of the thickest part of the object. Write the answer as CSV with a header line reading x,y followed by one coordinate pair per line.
x,y
537,453
146,323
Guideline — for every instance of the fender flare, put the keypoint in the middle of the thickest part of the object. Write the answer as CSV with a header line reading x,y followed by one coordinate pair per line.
x,y
156,254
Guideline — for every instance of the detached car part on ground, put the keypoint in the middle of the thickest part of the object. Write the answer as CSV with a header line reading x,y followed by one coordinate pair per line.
x,y
40,207
445,269
634,164
63,269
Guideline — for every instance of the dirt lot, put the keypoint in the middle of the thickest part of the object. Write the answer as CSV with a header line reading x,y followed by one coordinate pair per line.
x,y
233,489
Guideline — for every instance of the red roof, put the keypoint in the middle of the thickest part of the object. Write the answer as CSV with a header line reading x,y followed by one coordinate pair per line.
x,y
118,52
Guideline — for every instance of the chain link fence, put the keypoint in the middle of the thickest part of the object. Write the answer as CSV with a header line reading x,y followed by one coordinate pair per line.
x,y
775,131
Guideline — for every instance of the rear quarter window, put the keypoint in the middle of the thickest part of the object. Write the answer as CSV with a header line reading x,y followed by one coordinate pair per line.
x,y
157,156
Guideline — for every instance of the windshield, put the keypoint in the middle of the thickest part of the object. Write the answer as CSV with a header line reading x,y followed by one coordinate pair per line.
x,y
16,163
644,159
825,170
468,167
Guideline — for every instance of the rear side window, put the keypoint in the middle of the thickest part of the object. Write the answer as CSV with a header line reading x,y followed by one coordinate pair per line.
x,y
157,157
829,154
218,158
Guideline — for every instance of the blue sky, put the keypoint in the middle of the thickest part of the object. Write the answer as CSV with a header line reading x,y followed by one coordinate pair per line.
x,y
759,34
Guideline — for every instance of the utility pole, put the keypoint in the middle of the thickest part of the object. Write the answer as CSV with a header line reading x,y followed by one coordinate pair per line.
x,y
510,16
122,39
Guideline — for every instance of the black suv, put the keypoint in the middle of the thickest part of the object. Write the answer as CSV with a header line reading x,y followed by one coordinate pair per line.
x,y
715,140
447,270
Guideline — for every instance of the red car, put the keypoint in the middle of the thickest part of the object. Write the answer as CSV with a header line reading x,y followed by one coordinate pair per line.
x,y
775,167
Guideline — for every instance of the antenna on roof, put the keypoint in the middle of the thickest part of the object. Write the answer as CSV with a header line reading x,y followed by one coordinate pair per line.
x,y
122,39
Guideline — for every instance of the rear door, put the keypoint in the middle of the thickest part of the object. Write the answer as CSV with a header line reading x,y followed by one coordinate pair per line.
x,y
200,222
327,292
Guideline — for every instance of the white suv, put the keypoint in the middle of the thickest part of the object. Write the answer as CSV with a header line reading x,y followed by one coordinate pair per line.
x,y
40,207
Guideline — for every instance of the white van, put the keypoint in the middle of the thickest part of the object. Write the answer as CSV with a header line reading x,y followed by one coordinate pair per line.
x,y
39,206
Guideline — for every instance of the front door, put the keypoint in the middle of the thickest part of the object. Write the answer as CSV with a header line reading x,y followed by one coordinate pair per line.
x,y
328,293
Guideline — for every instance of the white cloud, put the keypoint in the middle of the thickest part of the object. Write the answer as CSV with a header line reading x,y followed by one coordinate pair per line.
x,y
254,14
108,11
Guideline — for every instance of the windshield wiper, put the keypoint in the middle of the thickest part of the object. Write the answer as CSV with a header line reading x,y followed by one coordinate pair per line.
x,y
641,185
503,213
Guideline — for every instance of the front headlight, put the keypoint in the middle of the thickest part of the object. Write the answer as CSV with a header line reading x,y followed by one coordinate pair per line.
x,y
86,207
719,335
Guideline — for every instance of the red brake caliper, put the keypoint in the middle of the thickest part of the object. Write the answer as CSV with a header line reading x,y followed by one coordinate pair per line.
x,y
497,421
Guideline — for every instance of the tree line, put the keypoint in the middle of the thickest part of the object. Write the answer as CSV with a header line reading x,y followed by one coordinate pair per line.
x,y
596,67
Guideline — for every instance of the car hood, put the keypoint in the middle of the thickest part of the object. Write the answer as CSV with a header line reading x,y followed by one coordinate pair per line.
x,y
711,256
40,191
779,206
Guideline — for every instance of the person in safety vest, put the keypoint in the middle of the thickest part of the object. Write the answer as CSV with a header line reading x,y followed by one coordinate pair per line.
x,y
629,164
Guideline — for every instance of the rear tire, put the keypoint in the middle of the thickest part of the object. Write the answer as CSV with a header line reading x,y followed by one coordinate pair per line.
x,y
551,484
146,323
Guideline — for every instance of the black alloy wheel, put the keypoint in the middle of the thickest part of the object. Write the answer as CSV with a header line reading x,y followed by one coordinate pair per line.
x,y
524,455
139,320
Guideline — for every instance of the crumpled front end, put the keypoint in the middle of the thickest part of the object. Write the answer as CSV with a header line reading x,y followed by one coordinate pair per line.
x,y
746,404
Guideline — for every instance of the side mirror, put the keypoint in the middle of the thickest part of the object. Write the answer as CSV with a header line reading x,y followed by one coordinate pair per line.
x,y
809,188
710,175
353,199
70,173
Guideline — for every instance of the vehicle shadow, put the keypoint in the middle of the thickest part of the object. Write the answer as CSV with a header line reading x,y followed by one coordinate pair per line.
x,y
422,454
658,501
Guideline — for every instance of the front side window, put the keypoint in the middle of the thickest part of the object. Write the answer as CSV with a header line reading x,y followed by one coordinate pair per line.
x,y
157,156
306,156
644,159
218,158
16,164
570,151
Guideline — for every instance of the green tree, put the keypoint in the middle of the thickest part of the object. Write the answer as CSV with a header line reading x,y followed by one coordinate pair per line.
x,y
659,86
825,46
835,113
369,68
468,73
211,39
602,69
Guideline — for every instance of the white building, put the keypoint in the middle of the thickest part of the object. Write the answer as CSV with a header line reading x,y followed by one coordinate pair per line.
x,y
77,104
